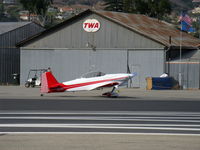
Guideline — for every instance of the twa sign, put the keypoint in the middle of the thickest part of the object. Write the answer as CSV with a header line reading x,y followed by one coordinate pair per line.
x,y
91,25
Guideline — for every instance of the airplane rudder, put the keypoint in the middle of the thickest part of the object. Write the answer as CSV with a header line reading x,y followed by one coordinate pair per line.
x,y
44,83
51,79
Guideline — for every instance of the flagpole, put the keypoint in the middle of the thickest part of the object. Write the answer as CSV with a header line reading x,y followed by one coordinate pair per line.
x,y
186,25
180,60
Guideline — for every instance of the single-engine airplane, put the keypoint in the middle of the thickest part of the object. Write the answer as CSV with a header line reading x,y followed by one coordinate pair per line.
x,y
89,81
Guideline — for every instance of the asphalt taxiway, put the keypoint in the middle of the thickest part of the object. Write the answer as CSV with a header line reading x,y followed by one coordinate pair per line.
x,y
138,119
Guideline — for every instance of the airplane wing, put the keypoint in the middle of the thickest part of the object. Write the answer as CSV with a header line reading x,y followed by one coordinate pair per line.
x,y
103,85
108,84
95,86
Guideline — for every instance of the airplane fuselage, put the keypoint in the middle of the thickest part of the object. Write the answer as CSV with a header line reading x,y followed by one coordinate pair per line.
x,y
86,84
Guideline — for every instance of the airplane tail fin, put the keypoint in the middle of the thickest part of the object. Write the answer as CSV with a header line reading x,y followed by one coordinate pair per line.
x,y
49,84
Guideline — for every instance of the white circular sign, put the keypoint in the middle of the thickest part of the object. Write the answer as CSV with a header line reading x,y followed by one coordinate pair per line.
x,y
91,25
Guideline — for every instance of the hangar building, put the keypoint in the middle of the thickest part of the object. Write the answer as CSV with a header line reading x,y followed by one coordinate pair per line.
x,y
12,33
110,42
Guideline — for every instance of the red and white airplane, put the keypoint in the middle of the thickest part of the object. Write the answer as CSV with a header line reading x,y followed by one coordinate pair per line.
x,y
90,81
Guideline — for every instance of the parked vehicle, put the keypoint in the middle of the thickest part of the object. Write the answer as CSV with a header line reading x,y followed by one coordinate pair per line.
x,y
34,77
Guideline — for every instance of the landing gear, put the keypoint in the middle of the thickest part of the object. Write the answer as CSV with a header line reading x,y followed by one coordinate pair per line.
x,y
113,93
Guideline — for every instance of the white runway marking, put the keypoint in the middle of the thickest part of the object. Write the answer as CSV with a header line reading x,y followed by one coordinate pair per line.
x,y
142,113
103,112
174,123
95,133
98,126
105,118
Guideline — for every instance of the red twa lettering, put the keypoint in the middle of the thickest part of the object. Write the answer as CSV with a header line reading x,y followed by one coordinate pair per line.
x,y
96,25
85,25
91,25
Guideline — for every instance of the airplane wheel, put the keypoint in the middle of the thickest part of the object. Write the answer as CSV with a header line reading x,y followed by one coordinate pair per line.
x,y
111,95
108,94
27,84
41,94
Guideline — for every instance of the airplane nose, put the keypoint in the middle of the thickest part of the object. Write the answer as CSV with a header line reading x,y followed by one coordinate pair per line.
x,y
133,74
130,76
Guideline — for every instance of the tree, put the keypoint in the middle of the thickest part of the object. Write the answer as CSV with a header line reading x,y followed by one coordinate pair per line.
x,y
141,6
135,6
158,8
128,6
114,5
38,7
41,6
1,10
28,5
152,8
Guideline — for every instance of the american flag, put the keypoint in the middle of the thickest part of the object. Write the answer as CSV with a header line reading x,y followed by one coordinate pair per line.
x,y
184,17
186,23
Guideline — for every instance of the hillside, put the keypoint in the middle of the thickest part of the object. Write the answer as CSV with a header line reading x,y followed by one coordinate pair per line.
x,y
72,2
182,4
176,4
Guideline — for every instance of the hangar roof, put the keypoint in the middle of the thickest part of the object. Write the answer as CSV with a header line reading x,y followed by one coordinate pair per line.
x,y
154,29
9,26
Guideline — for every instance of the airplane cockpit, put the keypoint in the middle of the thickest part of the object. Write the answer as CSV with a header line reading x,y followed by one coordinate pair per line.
x,y
93,74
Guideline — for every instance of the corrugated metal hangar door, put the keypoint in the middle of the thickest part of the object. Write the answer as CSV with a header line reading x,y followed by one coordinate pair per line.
x,y
147,63
71,64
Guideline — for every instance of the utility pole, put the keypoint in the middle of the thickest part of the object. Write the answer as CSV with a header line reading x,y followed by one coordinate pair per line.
x,y
180,59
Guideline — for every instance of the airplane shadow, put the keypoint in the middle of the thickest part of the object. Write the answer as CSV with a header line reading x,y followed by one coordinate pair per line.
x,y
92,97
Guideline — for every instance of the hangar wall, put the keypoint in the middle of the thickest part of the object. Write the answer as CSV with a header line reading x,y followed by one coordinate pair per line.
x,y
110,35
190,73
